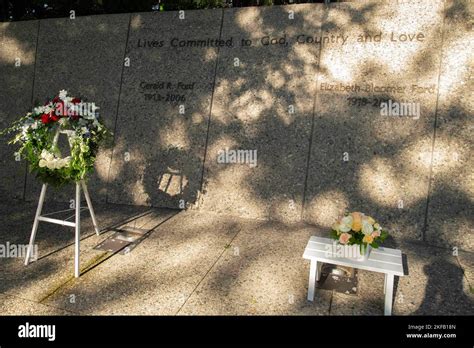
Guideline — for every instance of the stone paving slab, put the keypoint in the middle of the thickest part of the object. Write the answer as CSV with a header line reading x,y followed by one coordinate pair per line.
x,y
260,273
263,106
362,160
12,305
88,65
466,261
165,102
55,264
452,192
435,285
158,275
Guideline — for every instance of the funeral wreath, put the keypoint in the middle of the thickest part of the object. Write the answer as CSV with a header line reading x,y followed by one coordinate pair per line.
x,y
38,131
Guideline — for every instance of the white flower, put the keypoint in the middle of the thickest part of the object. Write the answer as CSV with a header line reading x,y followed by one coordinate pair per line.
x,y
367,228
50,165
346,223
46,155
39,110
62,94
47,109
62,121
34,125
42,163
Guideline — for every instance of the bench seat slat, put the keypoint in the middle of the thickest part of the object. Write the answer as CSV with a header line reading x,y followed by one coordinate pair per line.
x,y
323,241
379,259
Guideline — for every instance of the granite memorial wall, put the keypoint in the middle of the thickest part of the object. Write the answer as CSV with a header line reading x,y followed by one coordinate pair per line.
x,y
286,113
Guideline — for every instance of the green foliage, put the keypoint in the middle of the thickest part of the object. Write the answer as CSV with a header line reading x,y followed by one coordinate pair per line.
x,y
208,3
333,234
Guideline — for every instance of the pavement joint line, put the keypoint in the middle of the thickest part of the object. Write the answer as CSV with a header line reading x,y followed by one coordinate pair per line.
x,y
35,302
66,246
209,270
464,273
71,277
101,233
90,265
96,261
330,302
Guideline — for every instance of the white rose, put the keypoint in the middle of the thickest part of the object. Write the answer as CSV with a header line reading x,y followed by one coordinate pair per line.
x,y
48,157
50,164
346,223
367,228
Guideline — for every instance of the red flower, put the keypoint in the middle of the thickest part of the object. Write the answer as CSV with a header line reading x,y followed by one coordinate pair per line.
x,y
54,118
45,118
56,99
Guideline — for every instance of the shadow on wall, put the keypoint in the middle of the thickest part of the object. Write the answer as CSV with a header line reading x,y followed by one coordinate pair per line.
x,y
17,56
390,160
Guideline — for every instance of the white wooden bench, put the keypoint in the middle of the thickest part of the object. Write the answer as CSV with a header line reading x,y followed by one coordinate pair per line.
x,y
382,260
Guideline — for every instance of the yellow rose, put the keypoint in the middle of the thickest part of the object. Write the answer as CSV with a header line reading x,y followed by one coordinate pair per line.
x,y
356,221
368,239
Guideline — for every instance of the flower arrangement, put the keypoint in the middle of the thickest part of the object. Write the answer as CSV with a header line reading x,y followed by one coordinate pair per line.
x,y
37,132
358,228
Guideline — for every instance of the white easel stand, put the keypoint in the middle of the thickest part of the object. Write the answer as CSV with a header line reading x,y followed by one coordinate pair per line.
x,y
76,224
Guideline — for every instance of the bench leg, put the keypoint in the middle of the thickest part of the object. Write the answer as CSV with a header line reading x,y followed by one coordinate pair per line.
x,y
313,270
319,265
388,294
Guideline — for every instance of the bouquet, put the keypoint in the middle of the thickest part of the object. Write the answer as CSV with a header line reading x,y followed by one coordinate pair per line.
x,y
38,131
358,228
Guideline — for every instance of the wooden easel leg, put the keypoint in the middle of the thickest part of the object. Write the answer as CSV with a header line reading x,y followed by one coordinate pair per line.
x,y
89,205
35,223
